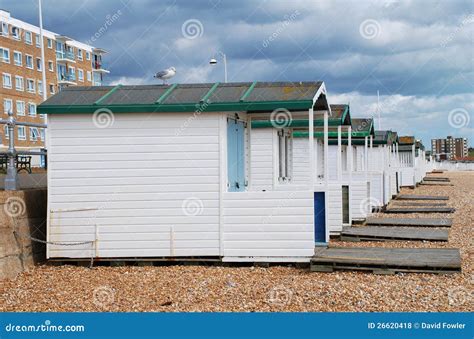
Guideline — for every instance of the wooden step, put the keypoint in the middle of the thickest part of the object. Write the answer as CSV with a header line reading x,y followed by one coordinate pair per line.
x,y
400,203
377,233
421,197
409,222
420,210
436,179
423,183
387,260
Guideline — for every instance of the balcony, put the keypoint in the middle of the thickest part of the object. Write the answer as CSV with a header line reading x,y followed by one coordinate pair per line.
x,y
99,67
62,56
67,79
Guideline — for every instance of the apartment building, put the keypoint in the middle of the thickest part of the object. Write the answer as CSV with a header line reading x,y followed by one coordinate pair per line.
x,y
67,62
449,148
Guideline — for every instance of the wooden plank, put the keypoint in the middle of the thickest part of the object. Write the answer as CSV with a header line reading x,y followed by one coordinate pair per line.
x,y
407,222
436,179
420,210
375,259
392,233
434,184
432,204
421,197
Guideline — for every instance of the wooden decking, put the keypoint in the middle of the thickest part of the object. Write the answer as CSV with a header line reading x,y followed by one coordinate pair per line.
x,y
440,179
421,197
419,210
378,233
426,204
387,260
434,183
409,222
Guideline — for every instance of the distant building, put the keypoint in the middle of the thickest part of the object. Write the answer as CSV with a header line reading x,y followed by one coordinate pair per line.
x,y
67,62
449,148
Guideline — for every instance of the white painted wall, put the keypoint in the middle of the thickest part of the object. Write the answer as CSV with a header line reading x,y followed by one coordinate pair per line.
x,y
132,180
261,159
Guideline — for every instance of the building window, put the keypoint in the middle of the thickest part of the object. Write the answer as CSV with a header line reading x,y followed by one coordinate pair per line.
x,y
21,133
7,132
42,134
7,80
30,85
89,76
34,134
31,109
79,54
345,204
38,40
28,37
51,89
5,54
80,74
19,83
29,61
7,105
50,43
4,29
40,87
17,58
88,55
20,108
38,64
284,155
50,66
16,33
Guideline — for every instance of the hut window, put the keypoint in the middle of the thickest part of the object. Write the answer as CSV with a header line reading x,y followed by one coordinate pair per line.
x,y
345,204
284,155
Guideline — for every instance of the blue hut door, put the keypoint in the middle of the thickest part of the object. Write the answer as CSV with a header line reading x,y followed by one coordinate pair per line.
x,y
319,217
235,155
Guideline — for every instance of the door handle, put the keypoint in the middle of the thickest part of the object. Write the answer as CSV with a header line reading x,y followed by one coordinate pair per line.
x,y
237,185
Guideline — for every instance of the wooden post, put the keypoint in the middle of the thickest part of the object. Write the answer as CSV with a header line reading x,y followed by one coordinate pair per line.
x,y
311,149
339,154
326,148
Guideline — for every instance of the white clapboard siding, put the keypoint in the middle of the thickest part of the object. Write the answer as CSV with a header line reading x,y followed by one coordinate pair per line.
x,y
300,161
251,229
334,208
146,186
376,189
332,162
408,178
261,158
359,199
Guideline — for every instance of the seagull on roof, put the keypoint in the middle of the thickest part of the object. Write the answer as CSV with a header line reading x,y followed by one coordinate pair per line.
x,y
166,74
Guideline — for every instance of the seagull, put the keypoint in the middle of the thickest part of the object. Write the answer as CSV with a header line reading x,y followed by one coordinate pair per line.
x,y
166,74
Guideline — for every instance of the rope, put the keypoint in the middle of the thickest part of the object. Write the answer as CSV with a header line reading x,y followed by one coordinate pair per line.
x,y
59,243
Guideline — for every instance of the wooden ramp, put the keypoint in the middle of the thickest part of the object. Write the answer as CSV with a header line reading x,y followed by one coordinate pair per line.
x,y
378,233
409,222
421,197
420,210
441,179
408,204
387,260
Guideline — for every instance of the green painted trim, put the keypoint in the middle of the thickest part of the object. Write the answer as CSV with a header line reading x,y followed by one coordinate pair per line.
x,y
292,123
343,117
356,142
264,106
166,94
248,91
208,94
300,134
106,95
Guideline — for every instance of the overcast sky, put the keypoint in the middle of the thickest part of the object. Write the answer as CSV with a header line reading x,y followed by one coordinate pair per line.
x,y
418,54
